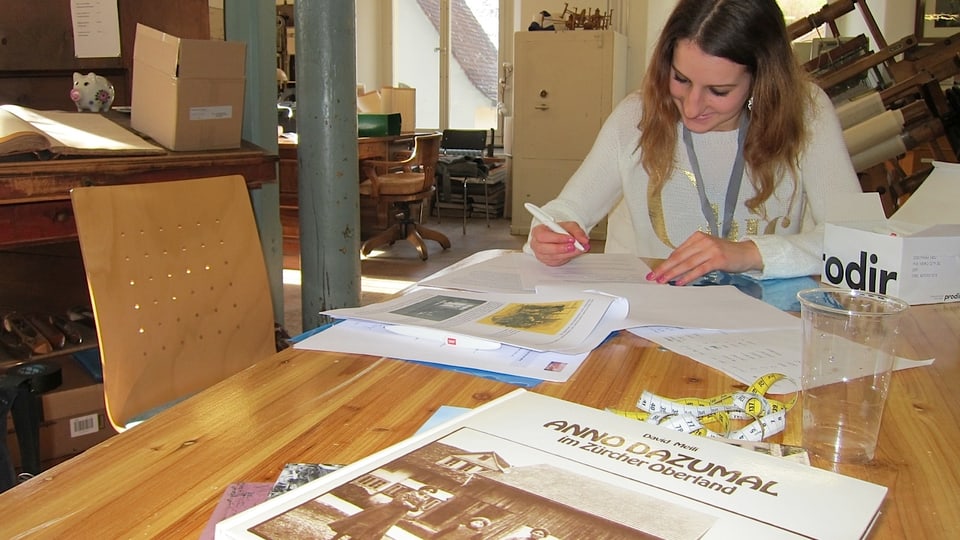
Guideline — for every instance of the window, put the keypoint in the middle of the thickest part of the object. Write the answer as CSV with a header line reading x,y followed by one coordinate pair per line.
x,y
794,10
463,78
798,9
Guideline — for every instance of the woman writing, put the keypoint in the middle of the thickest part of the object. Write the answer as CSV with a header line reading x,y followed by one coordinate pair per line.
x,y
722,161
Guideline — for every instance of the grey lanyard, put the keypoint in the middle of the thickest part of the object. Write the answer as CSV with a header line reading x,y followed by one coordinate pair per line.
x,y
733,187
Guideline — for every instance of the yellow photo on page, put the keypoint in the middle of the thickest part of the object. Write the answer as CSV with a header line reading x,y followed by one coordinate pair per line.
x,y
543,318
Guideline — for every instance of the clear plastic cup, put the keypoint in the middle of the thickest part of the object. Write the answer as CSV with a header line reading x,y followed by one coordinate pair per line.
x,y
848,355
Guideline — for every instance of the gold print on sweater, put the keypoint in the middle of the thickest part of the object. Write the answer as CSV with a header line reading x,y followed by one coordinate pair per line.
x,y
734,233
659,223
655,211
771,227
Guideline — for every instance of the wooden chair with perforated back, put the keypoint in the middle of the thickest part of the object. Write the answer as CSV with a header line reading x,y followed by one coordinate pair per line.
x,y
178,286
394,186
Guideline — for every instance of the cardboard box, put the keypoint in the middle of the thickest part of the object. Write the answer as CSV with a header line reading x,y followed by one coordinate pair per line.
x,y
378,125
66,437
403,101
187,93
78,392
74,415
914,255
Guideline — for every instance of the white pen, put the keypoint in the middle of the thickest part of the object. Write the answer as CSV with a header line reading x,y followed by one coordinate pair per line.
x,y
447,338
551,223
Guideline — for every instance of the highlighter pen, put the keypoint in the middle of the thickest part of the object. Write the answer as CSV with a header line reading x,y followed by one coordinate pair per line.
x,y
551,223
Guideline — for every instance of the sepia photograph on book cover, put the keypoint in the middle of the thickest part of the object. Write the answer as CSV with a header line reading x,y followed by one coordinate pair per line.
x,y
531,466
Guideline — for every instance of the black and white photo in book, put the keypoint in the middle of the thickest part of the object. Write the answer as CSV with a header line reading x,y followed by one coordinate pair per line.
x,y
532,466
295,475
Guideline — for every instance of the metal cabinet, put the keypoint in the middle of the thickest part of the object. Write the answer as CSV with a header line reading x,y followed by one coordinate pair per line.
x,y
565,85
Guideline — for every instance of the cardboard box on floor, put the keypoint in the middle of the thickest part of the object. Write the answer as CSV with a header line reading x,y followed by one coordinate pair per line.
x,y
914,255
187,93
78,392
74,415
66,437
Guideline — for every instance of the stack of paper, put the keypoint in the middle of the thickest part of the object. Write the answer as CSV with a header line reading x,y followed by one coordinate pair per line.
x,y
543,336
506,313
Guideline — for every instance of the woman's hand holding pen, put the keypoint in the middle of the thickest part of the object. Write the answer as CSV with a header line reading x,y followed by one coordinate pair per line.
x,y
554,249
702,253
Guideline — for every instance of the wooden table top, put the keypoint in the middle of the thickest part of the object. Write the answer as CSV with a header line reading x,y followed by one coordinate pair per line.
x,y
165,477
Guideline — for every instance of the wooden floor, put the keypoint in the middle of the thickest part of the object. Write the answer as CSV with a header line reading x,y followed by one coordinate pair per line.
x,y
387,271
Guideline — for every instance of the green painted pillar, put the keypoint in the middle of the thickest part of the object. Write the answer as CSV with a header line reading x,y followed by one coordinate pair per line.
x,y
329,200
254,23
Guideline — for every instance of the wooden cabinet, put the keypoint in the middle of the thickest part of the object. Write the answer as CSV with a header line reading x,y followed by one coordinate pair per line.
x,y
35,195
565,85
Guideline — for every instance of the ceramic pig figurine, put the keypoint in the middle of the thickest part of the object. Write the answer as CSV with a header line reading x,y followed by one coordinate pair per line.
x,y
91,92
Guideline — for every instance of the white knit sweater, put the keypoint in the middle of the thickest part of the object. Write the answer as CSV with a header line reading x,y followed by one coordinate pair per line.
x,y
790,233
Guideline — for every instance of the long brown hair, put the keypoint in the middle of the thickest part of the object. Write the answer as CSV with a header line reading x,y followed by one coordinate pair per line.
x,y
751,33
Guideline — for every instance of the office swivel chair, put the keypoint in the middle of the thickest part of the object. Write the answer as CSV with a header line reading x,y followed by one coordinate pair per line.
x,y
393,186
178,285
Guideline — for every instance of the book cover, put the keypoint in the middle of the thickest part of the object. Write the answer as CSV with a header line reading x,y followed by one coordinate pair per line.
x,y
24,131
528,461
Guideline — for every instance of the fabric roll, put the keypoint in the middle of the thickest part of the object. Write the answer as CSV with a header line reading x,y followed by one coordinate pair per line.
x,y
871,132
860,109
878,153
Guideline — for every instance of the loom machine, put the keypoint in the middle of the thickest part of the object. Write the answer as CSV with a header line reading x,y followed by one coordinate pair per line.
x,y
889,101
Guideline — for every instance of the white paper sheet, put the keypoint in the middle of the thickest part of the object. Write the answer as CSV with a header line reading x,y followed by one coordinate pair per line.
x,y
585,269
744,356
497,274
517,272
362,337
717,307
96,28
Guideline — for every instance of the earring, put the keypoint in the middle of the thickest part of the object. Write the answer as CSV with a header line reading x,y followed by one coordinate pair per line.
x,y
750,104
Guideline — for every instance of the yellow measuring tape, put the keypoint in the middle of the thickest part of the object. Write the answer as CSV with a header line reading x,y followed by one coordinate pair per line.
x,y
694,415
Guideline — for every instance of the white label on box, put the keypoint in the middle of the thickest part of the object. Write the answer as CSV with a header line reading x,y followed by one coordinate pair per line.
x,y
862,260
220,112
84,425
920,269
